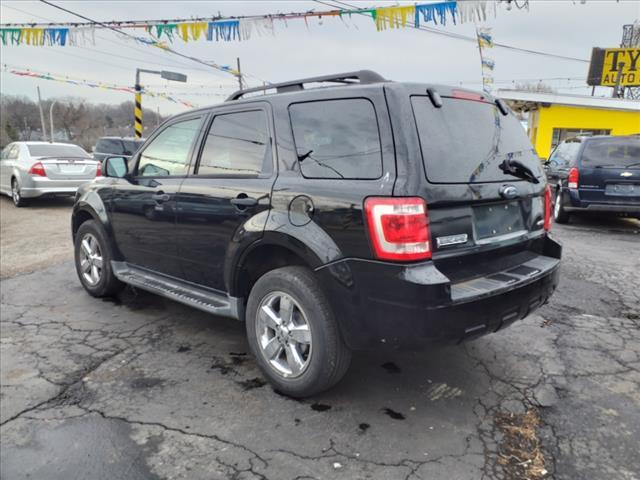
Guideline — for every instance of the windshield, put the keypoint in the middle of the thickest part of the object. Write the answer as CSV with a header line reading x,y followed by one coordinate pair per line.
x,y
465,141
47,150
622,152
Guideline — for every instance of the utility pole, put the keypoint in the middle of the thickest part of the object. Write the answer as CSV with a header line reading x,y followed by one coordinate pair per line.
x,y
44,130
137,109
617,93
51,118
239,73
137,112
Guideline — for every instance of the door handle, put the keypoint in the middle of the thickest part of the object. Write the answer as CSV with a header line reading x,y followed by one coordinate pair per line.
x,y
244,201
161,197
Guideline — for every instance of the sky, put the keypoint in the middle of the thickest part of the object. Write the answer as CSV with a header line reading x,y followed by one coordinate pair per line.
x,y
568,28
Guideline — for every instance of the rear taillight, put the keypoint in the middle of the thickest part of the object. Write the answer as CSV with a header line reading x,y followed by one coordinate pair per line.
x,y
574,175
398,228
547,208
98,170
38,170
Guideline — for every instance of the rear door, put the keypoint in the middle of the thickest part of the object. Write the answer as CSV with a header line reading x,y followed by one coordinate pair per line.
x,y
230,184
474,205
609,170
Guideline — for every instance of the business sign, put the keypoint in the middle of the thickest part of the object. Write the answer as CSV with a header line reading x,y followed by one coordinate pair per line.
x,y
609,63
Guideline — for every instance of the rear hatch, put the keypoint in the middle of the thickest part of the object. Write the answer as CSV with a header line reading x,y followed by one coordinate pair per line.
x,y
477,212
609,170
69,168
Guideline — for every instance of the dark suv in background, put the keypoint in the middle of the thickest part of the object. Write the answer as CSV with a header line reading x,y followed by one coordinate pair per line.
x,y
367,214
595,174
109,146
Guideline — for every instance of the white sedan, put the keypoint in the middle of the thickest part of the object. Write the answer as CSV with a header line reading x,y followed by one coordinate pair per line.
x,y
36,169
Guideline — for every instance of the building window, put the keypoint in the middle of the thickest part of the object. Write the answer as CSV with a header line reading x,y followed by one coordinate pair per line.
x,y
561,134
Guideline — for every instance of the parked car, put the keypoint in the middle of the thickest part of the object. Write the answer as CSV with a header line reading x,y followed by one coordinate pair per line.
x,y
595,174
371,214
124,146
36,169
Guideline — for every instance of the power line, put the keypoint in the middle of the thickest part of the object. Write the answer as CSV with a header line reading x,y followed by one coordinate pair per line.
x,y
458,35
167,49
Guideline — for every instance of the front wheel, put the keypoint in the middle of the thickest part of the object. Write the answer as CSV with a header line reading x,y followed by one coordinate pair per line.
x,y
293,333
93,261
560,215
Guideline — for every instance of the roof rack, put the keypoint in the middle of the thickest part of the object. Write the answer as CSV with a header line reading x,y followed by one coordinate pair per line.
x,y
358,77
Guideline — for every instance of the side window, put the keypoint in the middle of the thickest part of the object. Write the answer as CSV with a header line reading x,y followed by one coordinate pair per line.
x,y
5,152
337,139
168,153
237,144
14,152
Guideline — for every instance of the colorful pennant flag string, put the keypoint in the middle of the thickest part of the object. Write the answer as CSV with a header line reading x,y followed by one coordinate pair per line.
x,y
100,85
242,28
487,65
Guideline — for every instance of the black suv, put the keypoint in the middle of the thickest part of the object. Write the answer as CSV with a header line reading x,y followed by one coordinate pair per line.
x,y
109,146
364,214
595,174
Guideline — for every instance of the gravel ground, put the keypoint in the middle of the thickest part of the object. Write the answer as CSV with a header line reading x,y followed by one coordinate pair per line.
x,y
139,387
35,236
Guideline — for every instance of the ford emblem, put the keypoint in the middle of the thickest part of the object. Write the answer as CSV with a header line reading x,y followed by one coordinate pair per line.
x,y
509,192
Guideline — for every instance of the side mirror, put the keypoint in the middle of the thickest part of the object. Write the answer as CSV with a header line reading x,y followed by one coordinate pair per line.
x,y
115,167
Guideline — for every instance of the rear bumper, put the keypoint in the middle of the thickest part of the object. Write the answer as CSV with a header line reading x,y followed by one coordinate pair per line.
x,y
604,207
620,205
32,188
412,306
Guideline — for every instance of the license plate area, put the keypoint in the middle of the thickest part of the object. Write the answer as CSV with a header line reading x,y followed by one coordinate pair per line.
x,y
497,220
622,189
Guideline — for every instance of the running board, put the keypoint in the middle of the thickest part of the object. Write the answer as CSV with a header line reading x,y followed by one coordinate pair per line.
x,y
183,292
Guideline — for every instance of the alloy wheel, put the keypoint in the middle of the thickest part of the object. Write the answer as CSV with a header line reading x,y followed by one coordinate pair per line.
x,y
284,334
15,193
91,261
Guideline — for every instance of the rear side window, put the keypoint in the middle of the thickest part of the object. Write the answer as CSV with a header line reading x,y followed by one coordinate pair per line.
x,y
465,141
622,152
109,145
337,139
566,153
237,144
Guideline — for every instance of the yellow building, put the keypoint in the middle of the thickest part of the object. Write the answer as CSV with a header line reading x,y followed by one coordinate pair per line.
x,y
555,117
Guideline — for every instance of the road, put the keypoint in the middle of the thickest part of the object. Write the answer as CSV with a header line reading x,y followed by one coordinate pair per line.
x,y
139,387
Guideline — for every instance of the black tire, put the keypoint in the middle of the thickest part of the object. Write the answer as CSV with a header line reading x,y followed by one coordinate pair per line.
x,y
17,198
560,215
107,285
329,358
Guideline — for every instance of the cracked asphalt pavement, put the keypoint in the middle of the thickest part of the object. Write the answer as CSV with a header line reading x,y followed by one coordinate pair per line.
x,y
139,387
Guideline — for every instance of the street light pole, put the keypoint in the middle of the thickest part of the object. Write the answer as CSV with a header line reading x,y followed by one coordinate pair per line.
x,y
51,119
137,111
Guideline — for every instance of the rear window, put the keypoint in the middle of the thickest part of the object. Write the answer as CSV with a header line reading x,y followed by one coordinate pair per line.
x,y
337,139
109,145
465,141
565,154
45,150
623,152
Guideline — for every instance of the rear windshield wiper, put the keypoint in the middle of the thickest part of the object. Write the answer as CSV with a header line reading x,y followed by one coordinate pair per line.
x,y
518,169
632,165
